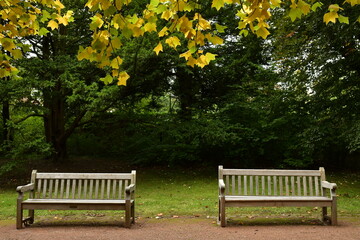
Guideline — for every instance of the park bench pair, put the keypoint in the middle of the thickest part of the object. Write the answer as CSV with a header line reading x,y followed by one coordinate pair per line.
x,y
116,191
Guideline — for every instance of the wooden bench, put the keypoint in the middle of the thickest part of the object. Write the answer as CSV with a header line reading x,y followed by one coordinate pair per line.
x,y
276,188
81,191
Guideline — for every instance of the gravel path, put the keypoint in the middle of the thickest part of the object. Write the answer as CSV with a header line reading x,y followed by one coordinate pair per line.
x,y
180,228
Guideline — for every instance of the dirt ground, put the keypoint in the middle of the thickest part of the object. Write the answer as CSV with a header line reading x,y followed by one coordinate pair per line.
x,y
179,228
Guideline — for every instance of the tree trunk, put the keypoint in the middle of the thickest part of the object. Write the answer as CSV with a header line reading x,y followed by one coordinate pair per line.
x,y
7,133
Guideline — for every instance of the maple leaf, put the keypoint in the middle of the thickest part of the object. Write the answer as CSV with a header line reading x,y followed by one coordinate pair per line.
x,y
217,4
108,79
186,55
53,25
123,77
149,27
262,32
158,48
173,42
116,43
330,17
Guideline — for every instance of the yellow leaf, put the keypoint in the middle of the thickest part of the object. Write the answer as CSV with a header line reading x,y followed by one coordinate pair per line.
x,y
173,42
123,77
118,4
158,48
150,27
186,55
191,61
330,17
217,4
214,39
262,32
210,57
62,20
116,62
166,15
16,53
163,32
53,25
116,43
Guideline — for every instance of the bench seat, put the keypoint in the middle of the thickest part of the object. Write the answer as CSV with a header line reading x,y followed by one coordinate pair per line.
x,y
277,201
78,204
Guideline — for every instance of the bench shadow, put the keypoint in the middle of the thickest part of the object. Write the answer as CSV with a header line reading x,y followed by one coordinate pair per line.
x,y
274,221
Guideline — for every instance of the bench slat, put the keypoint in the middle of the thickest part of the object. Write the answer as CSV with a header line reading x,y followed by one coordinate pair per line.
x,y
316,186
287,185
292,185
270,172
91,189
43,194
51,188
120,189
269,185
275,186
233,185
311,193
227,185
39,188
102,189
239,185
251,185
281,185
97,183
114,189
245,185
83,176
298,181
304,186
56,188
80,184
263,185
257,185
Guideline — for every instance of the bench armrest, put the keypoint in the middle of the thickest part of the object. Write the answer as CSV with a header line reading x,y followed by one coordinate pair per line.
x,y
326,184
221,187
129,190
25,188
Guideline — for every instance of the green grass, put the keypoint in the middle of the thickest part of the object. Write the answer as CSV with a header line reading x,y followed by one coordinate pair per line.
x,y
191,193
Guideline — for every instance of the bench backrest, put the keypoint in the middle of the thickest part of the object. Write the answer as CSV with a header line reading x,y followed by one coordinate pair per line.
x,y
270,182
81,185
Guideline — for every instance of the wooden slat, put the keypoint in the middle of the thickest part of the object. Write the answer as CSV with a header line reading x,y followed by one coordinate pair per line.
x,y
311,189
114,189
62,182
287,185
120,189
275,186
239,185
304,186
85,189
108,189
73,188
245,185
39,188
96,188
126,183
79,188
262,185
233,185
91,188
270,172
56,188
102,189
83,176
257,185
281,185
317,186
298,181
269,185
292,185
51,188
227,185
251,185
67,188
43,195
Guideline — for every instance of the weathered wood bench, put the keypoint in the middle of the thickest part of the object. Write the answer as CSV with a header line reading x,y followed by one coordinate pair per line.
x,y
81,191
275,188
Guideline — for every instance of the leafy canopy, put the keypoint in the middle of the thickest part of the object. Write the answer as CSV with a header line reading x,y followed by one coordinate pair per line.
x,y
179,24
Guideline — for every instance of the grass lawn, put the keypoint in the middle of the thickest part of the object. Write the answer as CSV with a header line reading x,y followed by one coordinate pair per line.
x,y
161,193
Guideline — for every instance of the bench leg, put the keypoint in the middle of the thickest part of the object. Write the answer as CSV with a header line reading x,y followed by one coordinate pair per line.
x,y
222,212
324,214
127,214
19,215
133,213
31,216
333,212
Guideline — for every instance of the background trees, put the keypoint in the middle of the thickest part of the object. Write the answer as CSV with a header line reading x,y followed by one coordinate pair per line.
x,y
288,101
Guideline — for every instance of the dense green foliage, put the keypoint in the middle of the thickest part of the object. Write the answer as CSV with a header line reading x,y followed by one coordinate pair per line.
x,y
291,101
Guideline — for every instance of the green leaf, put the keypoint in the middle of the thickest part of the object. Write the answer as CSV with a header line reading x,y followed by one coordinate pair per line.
x,y
45,16
316,5
343,19
217,4
219,28
43,31
108,79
